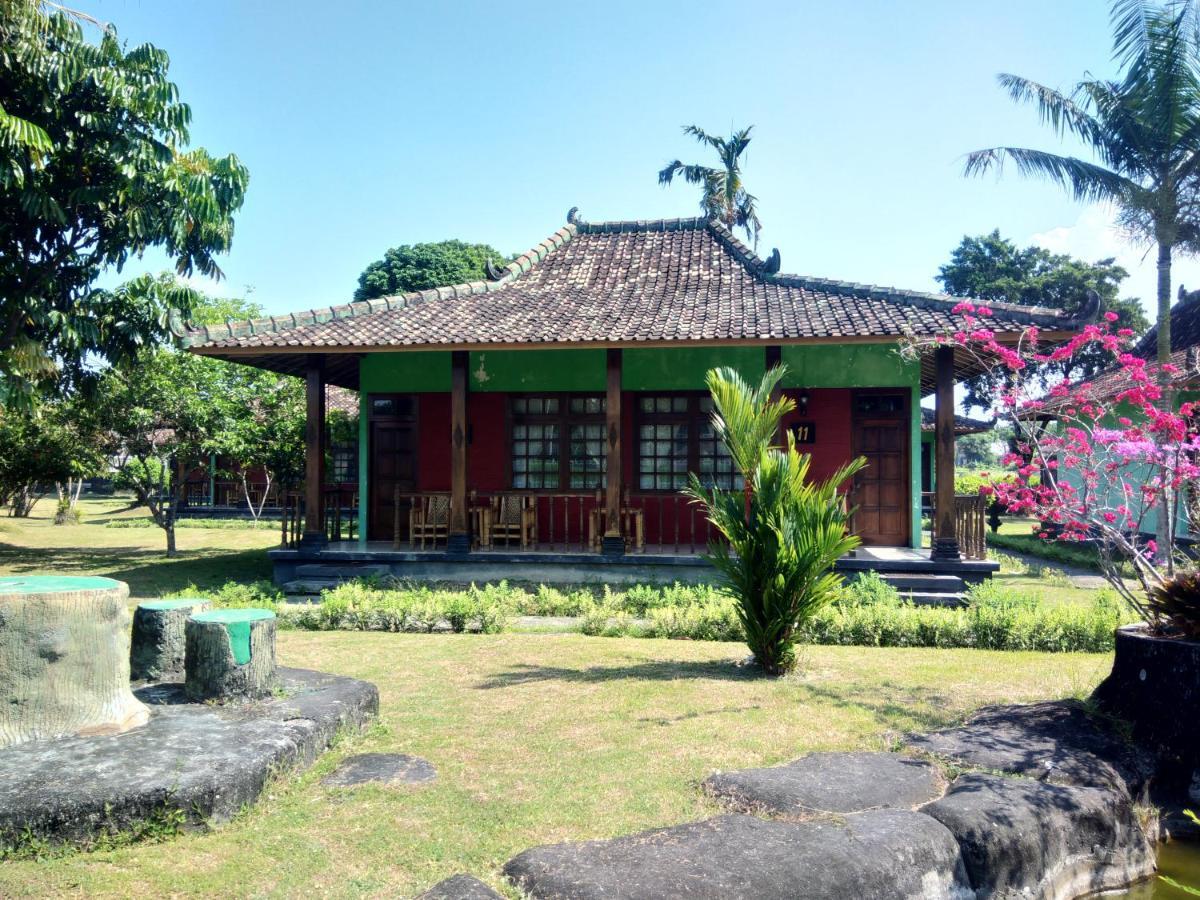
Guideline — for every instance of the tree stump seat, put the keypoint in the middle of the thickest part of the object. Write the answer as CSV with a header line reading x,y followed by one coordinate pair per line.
x,y
64,659
157,649
230,654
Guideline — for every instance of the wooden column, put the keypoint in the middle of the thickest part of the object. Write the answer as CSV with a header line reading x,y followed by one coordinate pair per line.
x,y
314,452
614,542
459,540
945,542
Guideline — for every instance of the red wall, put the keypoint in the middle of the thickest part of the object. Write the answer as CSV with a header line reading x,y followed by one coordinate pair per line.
x,y
672,517
829,411
433,442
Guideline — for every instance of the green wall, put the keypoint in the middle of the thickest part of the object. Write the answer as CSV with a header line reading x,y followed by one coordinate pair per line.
x,y
848,365
683,369
538,370
414,371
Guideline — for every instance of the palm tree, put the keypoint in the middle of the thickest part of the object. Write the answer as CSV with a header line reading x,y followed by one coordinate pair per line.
x,y
1144,129
1145,132
725,197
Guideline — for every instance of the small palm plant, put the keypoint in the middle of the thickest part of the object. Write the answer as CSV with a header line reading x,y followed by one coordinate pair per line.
x,y
785,532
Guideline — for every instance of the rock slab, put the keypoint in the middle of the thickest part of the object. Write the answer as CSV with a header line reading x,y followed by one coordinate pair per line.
x,y
1058,742
205,760
382,768
878,855
830,782
460,887
1025,838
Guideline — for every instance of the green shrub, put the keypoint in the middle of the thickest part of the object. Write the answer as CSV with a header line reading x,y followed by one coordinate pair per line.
x,y
784,533
868,588
238,595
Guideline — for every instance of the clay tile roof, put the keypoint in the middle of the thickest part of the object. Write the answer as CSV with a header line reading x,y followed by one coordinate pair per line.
x,y
1185,351
675,280
962,424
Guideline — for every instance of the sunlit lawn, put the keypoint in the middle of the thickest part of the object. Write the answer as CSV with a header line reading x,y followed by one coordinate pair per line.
x,y
207,557
542,738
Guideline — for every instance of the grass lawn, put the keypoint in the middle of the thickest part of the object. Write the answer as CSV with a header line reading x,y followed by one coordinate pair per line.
x,y
541,738
207,558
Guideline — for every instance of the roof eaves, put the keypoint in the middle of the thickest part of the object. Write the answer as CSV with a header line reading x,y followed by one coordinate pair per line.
x,y
196,336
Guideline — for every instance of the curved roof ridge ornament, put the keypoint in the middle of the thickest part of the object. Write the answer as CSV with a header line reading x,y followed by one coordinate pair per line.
x,y
1090,311
176,323
773,262
493,273
573,217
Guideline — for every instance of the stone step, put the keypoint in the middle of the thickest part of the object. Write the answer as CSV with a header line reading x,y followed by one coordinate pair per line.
x,y
919,581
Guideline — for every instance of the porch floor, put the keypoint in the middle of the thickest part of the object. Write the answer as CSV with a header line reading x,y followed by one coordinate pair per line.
x,y
657,563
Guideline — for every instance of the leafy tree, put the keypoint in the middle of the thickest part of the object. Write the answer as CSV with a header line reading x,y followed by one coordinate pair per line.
x,y
724,195
263,430
1144,129
978,450
419,267
778,563
161,417
990,267
53,443
94,168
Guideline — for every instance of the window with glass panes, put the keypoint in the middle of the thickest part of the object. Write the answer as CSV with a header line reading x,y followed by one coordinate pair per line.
x,y
675,436
546,430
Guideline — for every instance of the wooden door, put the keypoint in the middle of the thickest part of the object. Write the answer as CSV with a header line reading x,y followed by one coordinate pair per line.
x,y
883,490
393,448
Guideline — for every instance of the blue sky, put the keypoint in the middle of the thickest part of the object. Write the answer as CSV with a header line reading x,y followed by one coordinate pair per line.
x,y
367,125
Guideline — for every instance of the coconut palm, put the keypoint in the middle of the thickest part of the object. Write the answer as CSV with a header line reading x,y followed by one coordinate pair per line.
x,y
724,196
1143,129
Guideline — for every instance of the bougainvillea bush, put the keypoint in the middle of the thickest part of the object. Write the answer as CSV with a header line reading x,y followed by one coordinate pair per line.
x,y
1109,461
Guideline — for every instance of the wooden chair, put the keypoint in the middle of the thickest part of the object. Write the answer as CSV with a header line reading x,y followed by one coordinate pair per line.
x,y
632,524
429,519
513,516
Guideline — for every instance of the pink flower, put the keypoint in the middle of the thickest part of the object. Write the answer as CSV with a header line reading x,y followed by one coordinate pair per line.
x,y
1111,317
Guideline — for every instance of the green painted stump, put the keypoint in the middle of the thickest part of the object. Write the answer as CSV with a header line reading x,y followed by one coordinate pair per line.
x,y
230,654
157,648
64,659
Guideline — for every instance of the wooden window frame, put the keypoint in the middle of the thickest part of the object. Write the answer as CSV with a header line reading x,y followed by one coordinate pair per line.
x,y
693,417
564,419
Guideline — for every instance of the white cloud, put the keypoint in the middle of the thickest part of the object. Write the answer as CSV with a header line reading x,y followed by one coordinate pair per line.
x,y
1095,235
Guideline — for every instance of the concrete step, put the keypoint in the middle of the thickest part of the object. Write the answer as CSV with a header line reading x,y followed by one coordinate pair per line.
x,y
309,586
933,598
341,571
919,581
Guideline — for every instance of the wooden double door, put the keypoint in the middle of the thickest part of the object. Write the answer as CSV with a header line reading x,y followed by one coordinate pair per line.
x,y
393,449
882,433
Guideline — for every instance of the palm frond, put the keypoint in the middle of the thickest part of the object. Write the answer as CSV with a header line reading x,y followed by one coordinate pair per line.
x,y
1087,181
1057,110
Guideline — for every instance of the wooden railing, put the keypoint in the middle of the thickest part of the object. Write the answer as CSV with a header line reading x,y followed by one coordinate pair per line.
x,y
341,515
970,523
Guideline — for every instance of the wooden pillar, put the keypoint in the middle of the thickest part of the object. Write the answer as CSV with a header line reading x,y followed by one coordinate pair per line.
x,y
314,452
945,542
459,540
614,542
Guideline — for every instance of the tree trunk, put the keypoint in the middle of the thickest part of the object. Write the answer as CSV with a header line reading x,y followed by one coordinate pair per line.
x,y
1162,524
157,648
169,528
64,659
230,654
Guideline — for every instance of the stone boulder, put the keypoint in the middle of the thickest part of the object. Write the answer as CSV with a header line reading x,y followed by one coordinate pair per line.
x,y
829,782
1022,838
1058,742
878,855
460,887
